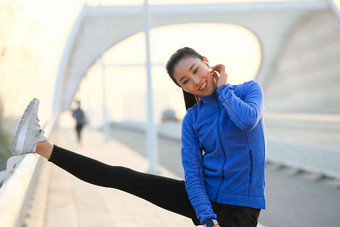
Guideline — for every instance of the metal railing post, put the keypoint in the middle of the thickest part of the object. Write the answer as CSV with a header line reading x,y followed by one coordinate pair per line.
x,y
151,128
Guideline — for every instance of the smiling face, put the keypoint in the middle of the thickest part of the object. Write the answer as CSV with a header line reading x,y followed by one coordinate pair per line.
x,y
194,75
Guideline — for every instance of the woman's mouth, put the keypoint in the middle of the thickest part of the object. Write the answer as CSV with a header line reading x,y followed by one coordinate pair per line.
x,y
203,87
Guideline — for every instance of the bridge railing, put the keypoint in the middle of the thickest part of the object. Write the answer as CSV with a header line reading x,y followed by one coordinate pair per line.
x,y
294,140
307,142
17,184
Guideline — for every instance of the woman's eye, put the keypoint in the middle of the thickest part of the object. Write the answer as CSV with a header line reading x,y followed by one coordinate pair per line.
x,y
196,70
185,81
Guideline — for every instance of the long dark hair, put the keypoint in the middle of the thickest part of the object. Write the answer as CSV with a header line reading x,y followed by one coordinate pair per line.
x,y
189,99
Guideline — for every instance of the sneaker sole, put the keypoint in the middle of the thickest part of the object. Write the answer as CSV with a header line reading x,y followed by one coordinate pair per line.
x,y
20,135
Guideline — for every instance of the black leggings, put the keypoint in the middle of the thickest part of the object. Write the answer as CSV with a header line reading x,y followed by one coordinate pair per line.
x,y
164,192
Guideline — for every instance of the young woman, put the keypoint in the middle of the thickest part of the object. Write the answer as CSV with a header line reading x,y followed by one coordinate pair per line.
x,y
223,149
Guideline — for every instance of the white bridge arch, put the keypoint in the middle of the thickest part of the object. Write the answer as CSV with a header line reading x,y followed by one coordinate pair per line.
x,y
272,23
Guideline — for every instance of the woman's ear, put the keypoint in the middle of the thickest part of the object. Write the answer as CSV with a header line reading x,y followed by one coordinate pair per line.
x,y
205,59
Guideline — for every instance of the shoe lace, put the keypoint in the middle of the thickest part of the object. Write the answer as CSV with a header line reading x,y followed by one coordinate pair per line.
x,y
39,132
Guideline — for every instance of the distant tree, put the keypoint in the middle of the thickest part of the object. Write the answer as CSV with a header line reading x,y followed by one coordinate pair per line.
x,y
5,151
15,60
18,65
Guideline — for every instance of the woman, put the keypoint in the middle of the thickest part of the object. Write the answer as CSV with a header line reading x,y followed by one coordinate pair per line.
x,y
223,149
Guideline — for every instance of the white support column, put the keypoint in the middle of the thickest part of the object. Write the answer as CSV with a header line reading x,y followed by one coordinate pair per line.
x,y
106,129
151,128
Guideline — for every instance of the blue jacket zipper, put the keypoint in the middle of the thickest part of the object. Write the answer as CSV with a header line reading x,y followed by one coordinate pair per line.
x,y
250,172
251,166
219,137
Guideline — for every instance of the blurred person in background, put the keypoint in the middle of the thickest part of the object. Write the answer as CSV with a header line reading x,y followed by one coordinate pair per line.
x,y
79,116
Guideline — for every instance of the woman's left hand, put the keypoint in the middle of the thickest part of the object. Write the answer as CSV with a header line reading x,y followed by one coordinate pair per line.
x,y
220,75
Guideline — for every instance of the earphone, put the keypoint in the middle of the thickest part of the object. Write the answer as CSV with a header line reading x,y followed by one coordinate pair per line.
x,y
206,61
208,64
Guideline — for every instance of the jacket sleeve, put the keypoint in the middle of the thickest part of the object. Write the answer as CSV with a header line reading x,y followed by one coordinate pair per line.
x,y
193,171
246,109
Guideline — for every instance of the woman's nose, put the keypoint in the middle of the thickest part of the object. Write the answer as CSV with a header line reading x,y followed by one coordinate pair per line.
x,y
196,80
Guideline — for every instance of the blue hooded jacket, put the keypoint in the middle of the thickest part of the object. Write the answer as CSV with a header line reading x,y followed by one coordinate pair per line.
x,y
223,149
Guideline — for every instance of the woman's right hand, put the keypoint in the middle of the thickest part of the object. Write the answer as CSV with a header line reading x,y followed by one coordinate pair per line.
x,y
220,75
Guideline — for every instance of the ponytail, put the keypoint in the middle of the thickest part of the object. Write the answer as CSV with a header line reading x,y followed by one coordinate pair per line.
x,y
190,99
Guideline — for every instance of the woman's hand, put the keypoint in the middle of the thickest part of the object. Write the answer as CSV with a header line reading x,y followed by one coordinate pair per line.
x,y
217,225
221,77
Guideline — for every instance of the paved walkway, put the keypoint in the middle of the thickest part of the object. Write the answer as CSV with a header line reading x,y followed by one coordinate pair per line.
x,y
72,202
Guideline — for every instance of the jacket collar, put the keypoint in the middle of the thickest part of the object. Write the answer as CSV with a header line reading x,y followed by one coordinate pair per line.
x,y
211,98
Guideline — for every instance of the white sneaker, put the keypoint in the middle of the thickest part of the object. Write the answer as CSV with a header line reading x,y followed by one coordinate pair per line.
x,y
29,133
